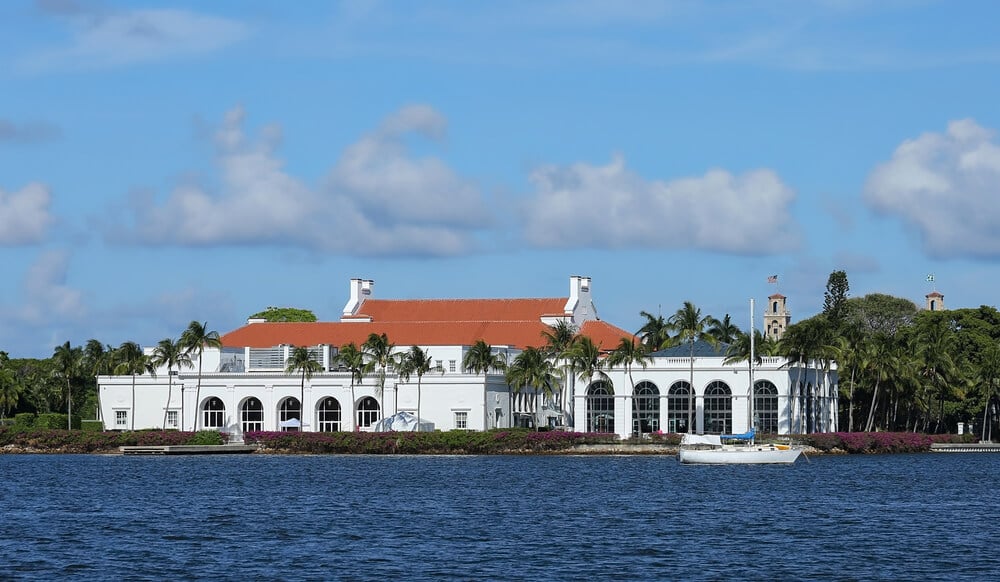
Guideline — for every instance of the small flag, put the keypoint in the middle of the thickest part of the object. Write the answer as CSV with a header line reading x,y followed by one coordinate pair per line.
x,y
772,279
930,278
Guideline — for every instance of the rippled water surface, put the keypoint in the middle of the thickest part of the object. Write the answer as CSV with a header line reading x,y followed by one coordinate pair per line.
x,y
548,517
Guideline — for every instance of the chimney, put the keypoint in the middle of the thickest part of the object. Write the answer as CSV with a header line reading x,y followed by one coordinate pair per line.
x,y
361,289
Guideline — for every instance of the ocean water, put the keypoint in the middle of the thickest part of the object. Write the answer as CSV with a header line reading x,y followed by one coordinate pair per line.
x,y
263,517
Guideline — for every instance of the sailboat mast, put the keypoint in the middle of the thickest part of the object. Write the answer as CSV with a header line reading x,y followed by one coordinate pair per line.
x,y
750,391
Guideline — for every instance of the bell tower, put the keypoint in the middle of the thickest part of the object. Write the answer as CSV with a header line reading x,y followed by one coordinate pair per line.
x,y
935,301
776,317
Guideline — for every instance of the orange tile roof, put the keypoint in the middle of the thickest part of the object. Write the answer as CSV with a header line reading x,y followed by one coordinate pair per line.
x,y
518,334
455,310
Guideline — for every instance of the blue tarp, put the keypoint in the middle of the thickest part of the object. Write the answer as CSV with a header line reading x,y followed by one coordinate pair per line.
x,y
743,437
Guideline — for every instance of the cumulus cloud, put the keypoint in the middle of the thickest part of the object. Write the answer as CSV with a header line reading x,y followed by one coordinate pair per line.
x,y
610,206
102,38
47,297
24,215
379,199
945,187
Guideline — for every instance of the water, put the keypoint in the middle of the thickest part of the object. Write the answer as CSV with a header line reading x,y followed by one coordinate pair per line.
x,y
525,518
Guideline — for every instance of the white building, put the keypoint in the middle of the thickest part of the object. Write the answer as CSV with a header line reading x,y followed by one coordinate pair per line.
x,y
244,386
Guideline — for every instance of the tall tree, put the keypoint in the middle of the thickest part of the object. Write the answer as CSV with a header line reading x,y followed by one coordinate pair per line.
x,y
630,353
417,361
655,331
67,360
559,339
531,369
171,354
690,327
381,354
480,359
588,361
98,360
301,361
10,389
353,359
131,361
724,331
835,298
194,340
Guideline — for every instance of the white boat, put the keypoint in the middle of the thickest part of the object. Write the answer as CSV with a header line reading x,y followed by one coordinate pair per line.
x,y
708,449
739,449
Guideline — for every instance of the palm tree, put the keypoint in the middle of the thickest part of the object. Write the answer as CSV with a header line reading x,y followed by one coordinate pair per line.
x,y
559,338
131,361
195,339
352,358
724,331
530,369
628,353
170,353
690,326
586,358
379,351
655,333
10,390
67,360
98,360
417,361
480,359
300,360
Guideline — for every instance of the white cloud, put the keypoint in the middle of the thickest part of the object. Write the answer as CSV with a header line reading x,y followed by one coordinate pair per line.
x,y
47,298
24,215
101,38
609,206
378,200
945,186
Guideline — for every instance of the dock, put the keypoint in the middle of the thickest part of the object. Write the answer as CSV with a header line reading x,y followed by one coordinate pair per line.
x,y
189,450
965,448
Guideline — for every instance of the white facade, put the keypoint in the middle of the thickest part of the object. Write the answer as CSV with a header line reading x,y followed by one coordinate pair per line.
x,y
457,400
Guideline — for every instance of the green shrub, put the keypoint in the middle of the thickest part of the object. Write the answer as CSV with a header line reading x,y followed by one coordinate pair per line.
x,y
24,420
92,425
205,437
55,420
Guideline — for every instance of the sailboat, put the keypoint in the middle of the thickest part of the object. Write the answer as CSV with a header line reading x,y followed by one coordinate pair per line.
x,y
736,449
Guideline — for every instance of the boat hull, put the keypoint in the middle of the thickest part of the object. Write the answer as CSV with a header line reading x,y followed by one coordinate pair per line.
x,y
739,456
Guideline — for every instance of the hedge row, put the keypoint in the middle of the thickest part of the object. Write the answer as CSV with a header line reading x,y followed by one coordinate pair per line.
x,y
437,443
80,441
878,442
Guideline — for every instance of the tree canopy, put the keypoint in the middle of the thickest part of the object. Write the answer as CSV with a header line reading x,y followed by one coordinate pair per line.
x,y
283,314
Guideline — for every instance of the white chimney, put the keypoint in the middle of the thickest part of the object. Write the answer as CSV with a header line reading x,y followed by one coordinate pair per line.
x,y
361,289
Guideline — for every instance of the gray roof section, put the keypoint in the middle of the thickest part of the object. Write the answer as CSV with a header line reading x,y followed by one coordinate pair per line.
x,y
702,349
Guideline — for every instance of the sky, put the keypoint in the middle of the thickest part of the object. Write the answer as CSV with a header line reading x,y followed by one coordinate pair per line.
x,y
163,162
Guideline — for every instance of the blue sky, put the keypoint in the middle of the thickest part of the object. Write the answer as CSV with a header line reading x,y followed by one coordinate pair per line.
x,y
164,162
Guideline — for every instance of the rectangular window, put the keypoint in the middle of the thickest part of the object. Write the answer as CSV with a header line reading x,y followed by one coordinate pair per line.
x,y
121,419
439,364
461,420
171,419
451,365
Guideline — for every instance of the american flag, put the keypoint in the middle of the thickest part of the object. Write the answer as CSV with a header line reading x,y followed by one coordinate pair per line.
x,y
772,279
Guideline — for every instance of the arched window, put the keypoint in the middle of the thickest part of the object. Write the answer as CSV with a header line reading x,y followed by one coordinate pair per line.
x,y
646,409
215,414
329,415
290,415
600,407
679,401
368,412
718,408
765,406
252,416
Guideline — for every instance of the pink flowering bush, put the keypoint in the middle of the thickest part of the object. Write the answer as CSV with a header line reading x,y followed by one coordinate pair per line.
x,y
437,442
